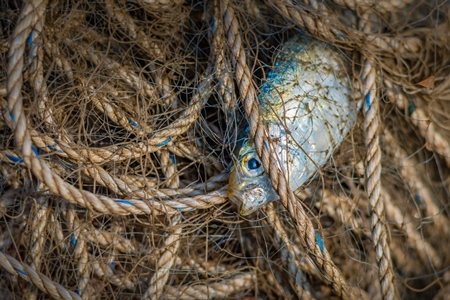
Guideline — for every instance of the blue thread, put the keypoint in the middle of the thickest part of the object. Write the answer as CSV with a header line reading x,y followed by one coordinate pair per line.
x,y
172,158
35,150
165,142
180,207
319,241
111,265
133,123
411,109
77,291
30,39
12,117
418,198
52,148
265,145
121,201
341,35
73,240
227,170
14,158
213,25
21,272
367,99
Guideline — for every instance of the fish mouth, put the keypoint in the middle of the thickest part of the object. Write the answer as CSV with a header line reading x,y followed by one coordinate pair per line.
x,y
245,211
239,198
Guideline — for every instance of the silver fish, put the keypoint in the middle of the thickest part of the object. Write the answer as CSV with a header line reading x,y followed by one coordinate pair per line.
x,y
306,103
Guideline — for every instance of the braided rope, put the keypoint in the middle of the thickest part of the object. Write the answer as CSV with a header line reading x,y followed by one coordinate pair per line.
x,y
303,225
84,269
222,289
419,118
103,270
165,262
383,6
289,255
39,168
373,185
311,20
426,253
412,178
38,226
42,282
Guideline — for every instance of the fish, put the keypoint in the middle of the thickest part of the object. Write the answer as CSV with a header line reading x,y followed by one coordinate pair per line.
x,y
307,105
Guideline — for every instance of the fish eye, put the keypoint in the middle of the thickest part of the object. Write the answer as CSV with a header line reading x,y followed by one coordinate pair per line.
x,y
251,165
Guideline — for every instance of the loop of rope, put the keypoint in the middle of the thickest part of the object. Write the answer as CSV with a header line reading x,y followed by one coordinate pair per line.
x,y
40,168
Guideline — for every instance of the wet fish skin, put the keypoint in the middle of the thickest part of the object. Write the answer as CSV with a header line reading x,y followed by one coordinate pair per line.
x,y
307,106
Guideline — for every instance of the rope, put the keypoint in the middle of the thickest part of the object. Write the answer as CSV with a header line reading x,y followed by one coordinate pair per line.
x,y
372,164
165,262
39,168
289,257
42,282
373,185
383,6
303,225
216,290
419,118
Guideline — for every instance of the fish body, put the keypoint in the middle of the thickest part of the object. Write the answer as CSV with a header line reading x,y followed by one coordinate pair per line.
x,y
307,106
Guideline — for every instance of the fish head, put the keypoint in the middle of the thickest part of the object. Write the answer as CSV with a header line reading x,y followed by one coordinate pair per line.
x,y
249,186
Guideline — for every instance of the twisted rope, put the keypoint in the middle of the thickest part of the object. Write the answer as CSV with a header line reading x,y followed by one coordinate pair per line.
x,y
222,289
289,256
42,282
39,168
264,148
412,178
373,185
421,119
330,29
383,6
38,237
165,262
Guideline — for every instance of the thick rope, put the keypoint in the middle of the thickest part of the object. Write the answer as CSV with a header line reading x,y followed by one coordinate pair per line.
x,y
421,119
216,290
407,168
23,140
303,225
42,282
289,257
372,164
380,6
373,185
165,262
329,28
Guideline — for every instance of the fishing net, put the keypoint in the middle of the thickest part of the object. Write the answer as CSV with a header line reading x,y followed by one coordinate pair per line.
x,y
119,122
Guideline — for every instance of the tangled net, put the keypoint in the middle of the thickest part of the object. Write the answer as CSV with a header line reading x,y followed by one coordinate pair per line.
x,y
119,120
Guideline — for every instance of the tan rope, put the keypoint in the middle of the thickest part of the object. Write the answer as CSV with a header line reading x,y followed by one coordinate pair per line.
x,y
421,119
313,22
380,6
165,262
289,256
23,140
373,185
222,289
407,165
38,237
303,225
42,282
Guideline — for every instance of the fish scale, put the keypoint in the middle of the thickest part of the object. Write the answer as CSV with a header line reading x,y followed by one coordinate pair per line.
x,y
307,106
